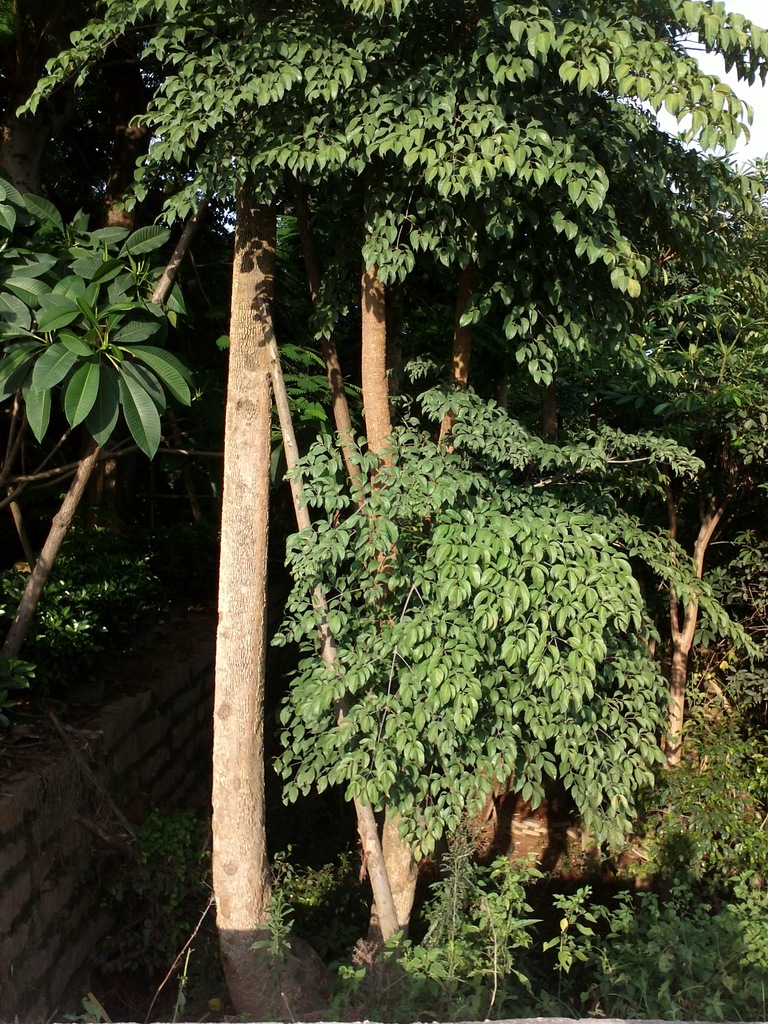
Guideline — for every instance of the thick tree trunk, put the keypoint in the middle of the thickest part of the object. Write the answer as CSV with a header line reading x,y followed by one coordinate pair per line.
x,y
462,341
258,985
241,879
403,873
22,144
373,362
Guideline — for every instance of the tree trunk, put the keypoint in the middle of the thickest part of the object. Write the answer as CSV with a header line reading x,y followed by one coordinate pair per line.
x,y
373,362
241,878
330,354
378,425
683,626
366,820
403,873
549,409
130,97
462,342
22,144
678,675
258,985
42,569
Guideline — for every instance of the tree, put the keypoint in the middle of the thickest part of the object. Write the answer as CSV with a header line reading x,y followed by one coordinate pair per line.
x,y
74,314
505,136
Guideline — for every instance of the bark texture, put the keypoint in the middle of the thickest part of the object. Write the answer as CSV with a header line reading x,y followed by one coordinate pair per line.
x,y
40,30
549,423
402,873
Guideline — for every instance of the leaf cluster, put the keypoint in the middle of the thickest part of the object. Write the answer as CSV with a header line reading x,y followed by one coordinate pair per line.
x,y
75,317
486,628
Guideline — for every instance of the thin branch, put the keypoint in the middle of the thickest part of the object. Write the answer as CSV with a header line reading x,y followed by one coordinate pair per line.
x,y
182,951
169,275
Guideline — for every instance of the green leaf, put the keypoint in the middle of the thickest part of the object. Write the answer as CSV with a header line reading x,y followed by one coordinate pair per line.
x,y
141,414
9,192
81,391
171,371
28,289
38,405
175,302
44,211
7,217
56,311
74,343
14,369
88,312
13,311
146,239
52,367
133,331
147,380
102,419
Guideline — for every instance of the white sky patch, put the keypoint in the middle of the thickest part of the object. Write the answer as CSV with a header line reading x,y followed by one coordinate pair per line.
x,y
755,95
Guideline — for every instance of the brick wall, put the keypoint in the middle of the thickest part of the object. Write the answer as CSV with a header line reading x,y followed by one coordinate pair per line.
x,y
62,823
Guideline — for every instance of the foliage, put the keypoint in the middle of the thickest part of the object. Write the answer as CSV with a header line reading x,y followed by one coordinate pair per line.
x,y
328,905
101,588
669,958
486,628
15,674
74,314
682,959
159,897
708,821
472,961
509,135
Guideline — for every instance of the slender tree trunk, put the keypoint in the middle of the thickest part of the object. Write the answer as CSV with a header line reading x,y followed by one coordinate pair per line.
x,y
330,354
683,622
378,425
462,342
402,882
502,392
241,878
42,569
366,820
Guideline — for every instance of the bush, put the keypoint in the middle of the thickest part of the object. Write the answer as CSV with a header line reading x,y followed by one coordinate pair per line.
x,y
708,821
158,899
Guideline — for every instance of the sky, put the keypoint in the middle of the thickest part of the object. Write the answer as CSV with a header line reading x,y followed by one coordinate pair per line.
x,y
756,95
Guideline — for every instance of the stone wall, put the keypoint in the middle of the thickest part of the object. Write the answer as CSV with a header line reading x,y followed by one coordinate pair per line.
x,y
65,819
